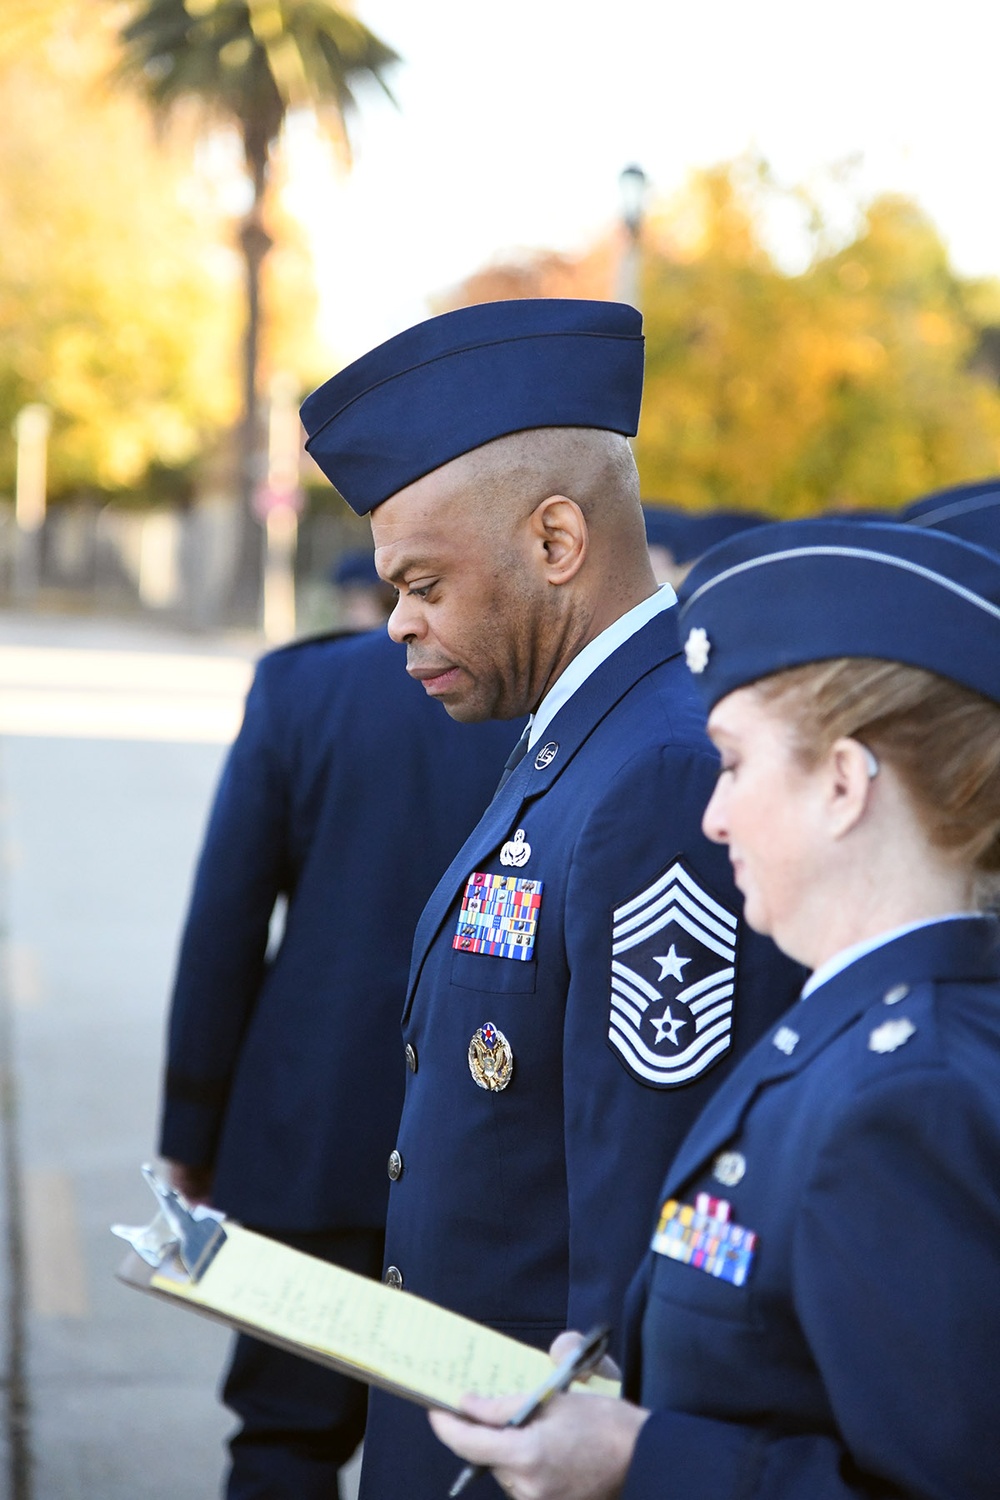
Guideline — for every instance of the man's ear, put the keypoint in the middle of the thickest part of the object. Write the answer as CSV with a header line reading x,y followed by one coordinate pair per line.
x,y
560,528
850,785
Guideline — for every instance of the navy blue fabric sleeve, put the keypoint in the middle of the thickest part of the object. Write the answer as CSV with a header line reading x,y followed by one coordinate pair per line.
x,y
242,870
896,1276
896,1265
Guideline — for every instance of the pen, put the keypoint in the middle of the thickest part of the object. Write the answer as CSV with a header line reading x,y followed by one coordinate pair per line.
x,y
580,1362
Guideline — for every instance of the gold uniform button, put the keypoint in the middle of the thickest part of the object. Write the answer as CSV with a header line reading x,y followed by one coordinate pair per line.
x,y
393,1277
395,1167
411,1057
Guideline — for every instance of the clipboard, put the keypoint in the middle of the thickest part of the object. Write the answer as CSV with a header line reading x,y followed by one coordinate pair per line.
x,y
381,1335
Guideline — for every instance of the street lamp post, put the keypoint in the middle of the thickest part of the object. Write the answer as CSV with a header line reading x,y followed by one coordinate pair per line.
x,y
633,182
31,430
279,504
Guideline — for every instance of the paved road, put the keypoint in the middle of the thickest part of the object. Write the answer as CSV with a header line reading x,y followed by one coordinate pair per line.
x,y
111,737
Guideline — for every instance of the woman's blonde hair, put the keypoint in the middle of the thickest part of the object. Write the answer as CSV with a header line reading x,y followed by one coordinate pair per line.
x,y
942,740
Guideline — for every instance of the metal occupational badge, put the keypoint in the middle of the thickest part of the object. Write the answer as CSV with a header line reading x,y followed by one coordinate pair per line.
x,y
516,852
491,1062
499,915
673,971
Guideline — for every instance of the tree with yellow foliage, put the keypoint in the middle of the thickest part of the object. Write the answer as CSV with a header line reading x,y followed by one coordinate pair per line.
x,y
247,63
853,383
116,310
850,384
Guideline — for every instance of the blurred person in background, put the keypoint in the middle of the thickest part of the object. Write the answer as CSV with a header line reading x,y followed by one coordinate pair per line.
x,y
364,601
971,511
676,537
345,795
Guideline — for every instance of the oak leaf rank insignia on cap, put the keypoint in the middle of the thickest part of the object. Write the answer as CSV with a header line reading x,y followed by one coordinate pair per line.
x,y
697,648
797,592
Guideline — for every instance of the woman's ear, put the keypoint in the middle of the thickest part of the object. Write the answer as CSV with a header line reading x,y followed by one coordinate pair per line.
x,y
852,769
561,527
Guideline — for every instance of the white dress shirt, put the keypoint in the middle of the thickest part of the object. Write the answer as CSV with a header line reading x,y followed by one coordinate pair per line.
x,y
848,956
590,658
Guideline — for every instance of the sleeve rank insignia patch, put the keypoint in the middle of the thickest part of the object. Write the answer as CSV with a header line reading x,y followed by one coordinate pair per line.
x,y
673,975
499,915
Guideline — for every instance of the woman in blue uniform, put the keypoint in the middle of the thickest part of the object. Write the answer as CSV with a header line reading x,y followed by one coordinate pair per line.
x,y
818,1317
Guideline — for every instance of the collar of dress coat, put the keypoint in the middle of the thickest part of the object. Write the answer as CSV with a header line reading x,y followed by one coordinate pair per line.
x,y
848,956
965,950
590,658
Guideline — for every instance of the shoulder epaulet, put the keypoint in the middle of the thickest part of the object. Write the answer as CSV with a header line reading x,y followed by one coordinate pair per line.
x,y
302,642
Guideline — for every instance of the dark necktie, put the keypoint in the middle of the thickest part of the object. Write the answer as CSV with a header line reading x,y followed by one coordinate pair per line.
x,y
514,759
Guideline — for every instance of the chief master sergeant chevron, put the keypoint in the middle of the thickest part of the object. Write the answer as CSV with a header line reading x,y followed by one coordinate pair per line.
x,y
580,979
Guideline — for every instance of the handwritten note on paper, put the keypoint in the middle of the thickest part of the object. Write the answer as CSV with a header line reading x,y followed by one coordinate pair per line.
x,y
386,1336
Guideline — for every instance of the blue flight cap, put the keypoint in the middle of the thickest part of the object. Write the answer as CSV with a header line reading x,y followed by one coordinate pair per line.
x,y
462,379
686,534
804,591
356,566
971,511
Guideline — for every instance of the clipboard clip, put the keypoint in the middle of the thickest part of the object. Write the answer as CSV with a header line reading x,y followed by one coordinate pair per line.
x,y
194,1237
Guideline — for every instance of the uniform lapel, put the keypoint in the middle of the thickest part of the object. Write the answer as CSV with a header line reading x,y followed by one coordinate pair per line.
x,y
488,832
964,949
654,644
806,1028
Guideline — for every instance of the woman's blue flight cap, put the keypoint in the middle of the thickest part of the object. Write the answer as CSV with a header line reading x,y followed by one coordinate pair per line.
x,y
464,378
971,511
804,591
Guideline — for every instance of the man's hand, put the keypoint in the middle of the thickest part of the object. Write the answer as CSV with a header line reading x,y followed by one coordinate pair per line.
x,y
193,1183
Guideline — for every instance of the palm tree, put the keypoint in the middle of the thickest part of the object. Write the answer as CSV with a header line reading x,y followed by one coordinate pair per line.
x,y
248,62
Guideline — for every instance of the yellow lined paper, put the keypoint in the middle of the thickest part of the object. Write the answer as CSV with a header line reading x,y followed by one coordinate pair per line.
x,y
384,1336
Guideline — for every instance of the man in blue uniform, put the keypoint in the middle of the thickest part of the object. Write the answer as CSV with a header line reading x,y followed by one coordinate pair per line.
x,y
580,977
285,1071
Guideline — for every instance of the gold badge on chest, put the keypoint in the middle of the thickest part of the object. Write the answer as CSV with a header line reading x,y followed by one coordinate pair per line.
x,y
491,1062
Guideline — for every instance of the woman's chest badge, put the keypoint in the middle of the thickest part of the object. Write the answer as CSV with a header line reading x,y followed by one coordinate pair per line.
x,y
491,1062
516,852
729,1168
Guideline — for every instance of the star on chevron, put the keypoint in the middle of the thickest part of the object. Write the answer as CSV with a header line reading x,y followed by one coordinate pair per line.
x,y
671,964
667,1024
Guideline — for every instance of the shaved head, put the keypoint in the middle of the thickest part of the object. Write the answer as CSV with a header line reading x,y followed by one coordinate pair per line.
x,y
508,560
595,469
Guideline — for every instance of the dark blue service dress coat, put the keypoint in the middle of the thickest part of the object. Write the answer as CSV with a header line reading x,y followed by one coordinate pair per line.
x,y
347,791
587,943
850,1349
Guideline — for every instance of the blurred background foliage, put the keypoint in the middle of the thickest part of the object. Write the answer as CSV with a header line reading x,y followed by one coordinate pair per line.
x,y
118,300
866,378
861,381
862,376
121,282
